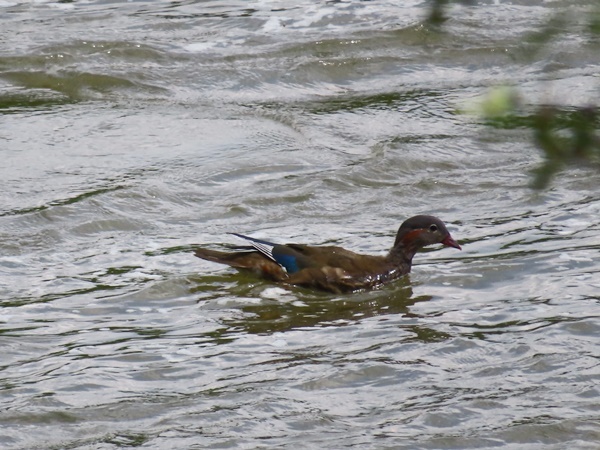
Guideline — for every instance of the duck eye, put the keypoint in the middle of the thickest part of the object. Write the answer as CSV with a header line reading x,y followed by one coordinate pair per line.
x,y
433,228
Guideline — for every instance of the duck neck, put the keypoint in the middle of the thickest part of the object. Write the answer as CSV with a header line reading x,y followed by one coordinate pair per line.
x,y
401,255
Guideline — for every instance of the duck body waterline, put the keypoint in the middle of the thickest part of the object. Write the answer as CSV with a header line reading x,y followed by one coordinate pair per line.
x,y
331,268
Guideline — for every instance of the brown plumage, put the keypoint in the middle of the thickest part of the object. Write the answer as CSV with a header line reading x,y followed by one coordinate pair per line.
x,y
332,268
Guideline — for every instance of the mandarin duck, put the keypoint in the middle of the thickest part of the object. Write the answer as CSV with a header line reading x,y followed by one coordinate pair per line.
x,y
330,268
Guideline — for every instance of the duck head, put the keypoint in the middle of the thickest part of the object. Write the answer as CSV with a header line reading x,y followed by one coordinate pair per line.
x,y
420,231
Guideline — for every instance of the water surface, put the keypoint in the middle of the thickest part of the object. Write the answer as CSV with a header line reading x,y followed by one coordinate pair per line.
x,y
132,131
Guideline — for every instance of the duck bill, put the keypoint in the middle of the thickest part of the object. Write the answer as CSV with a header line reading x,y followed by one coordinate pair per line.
x,y
449,242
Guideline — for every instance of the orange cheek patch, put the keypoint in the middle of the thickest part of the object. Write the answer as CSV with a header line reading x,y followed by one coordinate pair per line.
x,y
412,235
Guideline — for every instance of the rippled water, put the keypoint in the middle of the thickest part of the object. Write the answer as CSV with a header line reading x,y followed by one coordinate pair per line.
x,y
132,131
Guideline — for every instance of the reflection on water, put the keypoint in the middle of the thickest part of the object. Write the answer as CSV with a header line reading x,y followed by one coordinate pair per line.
x,y
280,309
171,125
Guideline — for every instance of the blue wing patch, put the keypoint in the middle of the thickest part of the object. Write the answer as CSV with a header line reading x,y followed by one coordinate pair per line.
x,y
288,262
